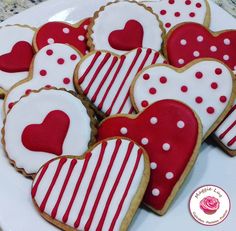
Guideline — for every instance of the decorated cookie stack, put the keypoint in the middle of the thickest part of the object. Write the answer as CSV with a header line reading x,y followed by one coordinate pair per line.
x,y
111,112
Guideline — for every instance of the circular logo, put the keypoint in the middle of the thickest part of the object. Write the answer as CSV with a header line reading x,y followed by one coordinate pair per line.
x,y
209,205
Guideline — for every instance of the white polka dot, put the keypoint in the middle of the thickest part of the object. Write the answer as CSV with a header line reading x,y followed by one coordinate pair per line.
x,y
213,48
166,147
155,192
169,175
144,141
86,52
227,41
200,38
226,57
123,131
181,61
196,54
235,68
85,27
50,41
183,42
66,30
81,38
153,165
153,120
180,124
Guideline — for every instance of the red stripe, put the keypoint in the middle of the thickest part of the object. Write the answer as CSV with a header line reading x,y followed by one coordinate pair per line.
x,y
67,213
72,165
156,56
89,189
227,130
139,51
59,167
115,185
115,218
122,59
82,78
131,110
231,142
115,59
94,209
101,65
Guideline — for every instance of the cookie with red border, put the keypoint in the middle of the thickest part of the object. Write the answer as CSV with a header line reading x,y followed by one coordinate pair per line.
x,y
65,33
105,78
46,124
122,26
99,191
171,134
53,66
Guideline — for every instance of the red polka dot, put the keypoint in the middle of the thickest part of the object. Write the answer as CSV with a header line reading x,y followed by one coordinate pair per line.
x,y
73,57
199,75
66,80
48,86
144,103
198,5
184,88
27,92
60,61
152,91
188,2
210,110
163,80
223,99
163,12
10,105
49,52
214,85
199,99
168,25
192,14
177,14
171,1
43,72
146,76
218,71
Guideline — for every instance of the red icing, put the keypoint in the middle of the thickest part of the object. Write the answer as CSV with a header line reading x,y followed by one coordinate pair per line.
x,y
75,37
129,38
221,47
49,135
19,59
170,144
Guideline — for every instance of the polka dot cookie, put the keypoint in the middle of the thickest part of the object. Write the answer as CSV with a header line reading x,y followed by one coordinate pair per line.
x,y
53,66
189,41
171,134
61,32
204,85
173,12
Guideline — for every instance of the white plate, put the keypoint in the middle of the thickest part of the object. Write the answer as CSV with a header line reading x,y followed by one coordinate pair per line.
x,y
213,166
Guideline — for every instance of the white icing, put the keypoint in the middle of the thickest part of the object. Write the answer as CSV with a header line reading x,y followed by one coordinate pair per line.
x,y
196,88
32,110
55,73
181,7
76,207
115,16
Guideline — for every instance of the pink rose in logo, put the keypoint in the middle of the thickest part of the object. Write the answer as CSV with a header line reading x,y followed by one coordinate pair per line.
x,y
209,205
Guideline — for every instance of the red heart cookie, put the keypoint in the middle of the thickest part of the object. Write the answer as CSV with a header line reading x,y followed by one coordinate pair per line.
x,y
60,32
171,134
100,191
189,41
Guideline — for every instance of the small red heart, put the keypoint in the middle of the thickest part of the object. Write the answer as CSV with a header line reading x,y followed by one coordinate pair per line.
x,y
19,59
48,136
129,38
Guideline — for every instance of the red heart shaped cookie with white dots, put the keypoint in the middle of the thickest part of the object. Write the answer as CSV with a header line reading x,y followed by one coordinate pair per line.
x,y
61,32
189,41
205,85
100,191
171,134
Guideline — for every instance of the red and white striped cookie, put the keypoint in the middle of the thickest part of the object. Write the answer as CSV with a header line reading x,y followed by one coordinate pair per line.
x,y
101,191
105,78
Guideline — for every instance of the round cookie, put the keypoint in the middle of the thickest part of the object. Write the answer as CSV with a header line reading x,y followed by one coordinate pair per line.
x,y
46,124
122,26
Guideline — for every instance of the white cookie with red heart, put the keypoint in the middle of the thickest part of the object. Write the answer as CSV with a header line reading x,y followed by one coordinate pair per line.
x,y
53,66
44,125
105,78
122,26
16,53
99,191
204,85
173,12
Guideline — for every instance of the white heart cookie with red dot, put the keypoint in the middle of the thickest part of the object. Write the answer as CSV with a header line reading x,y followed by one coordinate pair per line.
x,y
53,66
100,191
204,85
173,12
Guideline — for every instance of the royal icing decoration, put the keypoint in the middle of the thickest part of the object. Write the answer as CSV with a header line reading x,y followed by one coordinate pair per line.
x,y
60,32
170,133
206,86
16,54
105,78
97,192
173,12
191,40
123,26
53,66
44,125
226,132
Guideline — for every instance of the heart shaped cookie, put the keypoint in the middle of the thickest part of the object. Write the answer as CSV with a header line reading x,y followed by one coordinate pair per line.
x,y
65,33
46,124
204,85
189,41
105,78
99,191
171,134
